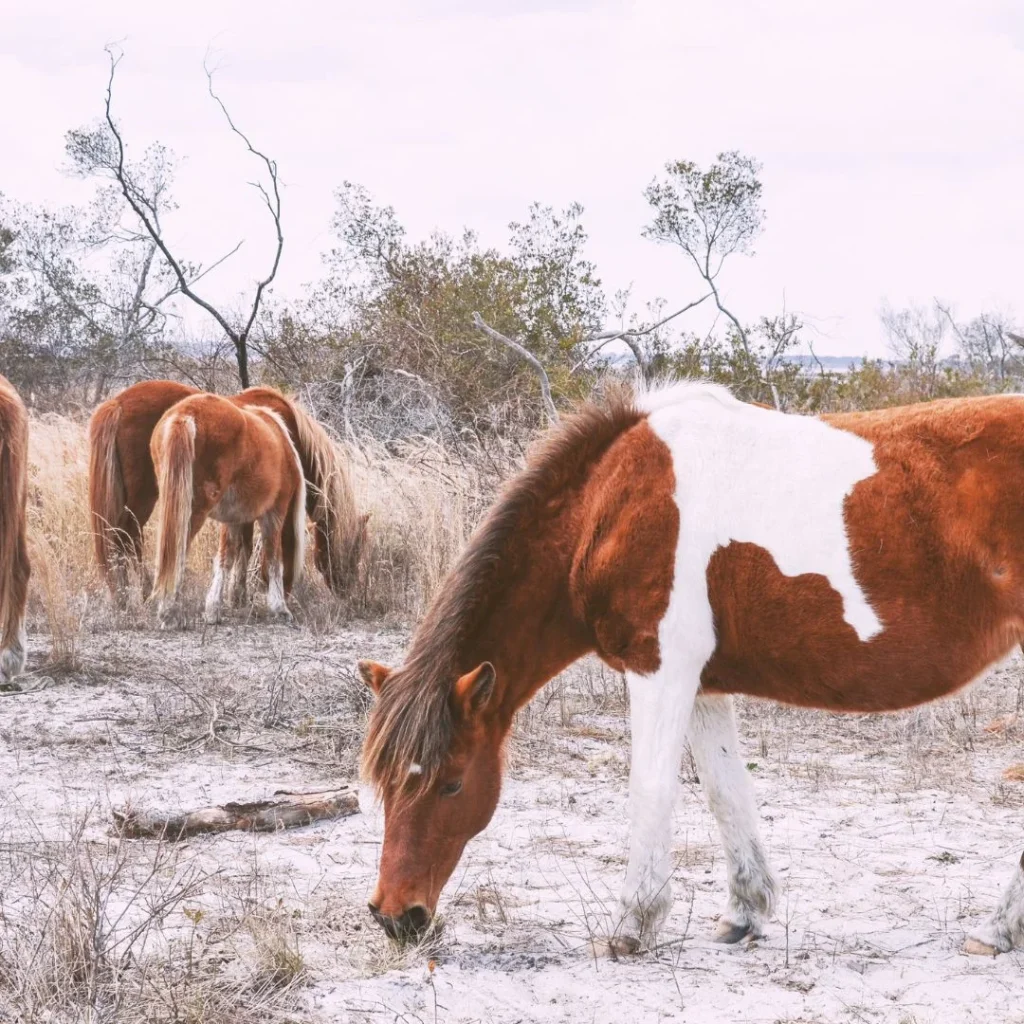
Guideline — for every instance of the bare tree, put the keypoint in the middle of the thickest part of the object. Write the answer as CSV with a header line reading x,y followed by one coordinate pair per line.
x,y
987,343
147,213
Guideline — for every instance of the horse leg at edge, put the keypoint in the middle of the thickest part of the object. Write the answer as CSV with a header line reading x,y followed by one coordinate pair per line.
x,y
273,558
12,657
1005,928
726,783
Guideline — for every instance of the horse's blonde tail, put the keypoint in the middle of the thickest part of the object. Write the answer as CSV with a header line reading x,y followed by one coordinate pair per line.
x,y
339,529
176,448
106,487
298,517
14,561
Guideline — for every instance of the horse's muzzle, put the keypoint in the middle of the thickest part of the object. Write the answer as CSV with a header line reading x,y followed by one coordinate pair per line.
x,y
410,926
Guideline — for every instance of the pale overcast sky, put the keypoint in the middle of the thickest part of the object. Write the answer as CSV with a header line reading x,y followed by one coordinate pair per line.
x,y
891,133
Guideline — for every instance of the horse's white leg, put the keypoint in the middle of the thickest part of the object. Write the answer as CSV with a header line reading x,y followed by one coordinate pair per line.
x,y
660,706
12,658
723,775
1005,928
270,530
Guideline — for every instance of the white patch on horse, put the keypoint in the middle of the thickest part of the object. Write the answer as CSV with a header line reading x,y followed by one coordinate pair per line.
x,y
275,589
755,475
415,769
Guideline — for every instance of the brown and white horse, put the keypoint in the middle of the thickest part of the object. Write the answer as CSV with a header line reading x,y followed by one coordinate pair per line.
x,y
237,465
857,562
14,561
123,484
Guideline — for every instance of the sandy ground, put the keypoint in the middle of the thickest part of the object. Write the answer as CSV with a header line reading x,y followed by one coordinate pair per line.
x,y
891,836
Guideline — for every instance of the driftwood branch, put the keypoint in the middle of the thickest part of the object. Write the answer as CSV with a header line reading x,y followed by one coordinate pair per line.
x,y
545,383
292,810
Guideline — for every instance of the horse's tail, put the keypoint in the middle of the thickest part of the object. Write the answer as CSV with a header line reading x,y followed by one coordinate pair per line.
x,y
339,529
106,485
177,449
14,561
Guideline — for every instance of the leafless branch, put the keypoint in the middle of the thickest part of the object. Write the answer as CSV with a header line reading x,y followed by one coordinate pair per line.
x,y
272,201
545,383
145,212
630,336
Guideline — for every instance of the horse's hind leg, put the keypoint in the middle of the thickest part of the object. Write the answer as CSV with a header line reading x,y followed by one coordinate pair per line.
x,y
228,551
273,560
1005,928
723,775
240,566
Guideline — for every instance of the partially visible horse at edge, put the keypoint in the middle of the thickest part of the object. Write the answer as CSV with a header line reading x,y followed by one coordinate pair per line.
x,y
123,483
858,562
15,568
237,465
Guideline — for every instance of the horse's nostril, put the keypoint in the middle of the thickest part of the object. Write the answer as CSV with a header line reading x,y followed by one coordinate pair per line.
x,y
373,908
415,921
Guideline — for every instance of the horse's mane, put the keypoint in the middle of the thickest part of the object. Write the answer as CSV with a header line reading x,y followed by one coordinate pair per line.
x,y
411,722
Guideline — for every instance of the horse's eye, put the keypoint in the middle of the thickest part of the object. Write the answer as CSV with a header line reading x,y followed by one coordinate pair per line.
x,y
451,788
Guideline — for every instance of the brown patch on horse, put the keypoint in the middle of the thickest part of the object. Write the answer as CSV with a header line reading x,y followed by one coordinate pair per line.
x,y
515,569
15,567
630,506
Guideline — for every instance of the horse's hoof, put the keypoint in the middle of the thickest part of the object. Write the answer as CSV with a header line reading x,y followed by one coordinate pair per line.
x,y
616,947
729,934
975,947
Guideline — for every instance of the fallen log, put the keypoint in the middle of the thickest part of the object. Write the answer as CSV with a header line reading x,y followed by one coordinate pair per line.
x,y
291,811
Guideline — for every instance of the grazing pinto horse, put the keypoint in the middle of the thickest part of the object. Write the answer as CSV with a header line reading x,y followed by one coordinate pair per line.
x,y
14,563
858,562
123,484
237,465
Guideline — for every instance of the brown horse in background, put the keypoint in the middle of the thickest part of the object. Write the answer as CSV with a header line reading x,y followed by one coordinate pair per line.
x,y
14,562
238,465
123,483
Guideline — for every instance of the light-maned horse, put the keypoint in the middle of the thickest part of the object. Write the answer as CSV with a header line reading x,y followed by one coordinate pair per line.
x,y
857,562
123,483
238,465
14,561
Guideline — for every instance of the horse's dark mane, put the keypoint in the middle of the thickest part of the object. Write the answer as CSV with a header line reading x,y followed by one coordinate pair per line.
x,y
412,720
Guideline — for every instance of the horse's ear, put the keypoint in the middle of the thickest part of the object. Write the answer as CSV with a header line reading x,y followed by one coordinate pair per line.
x,y
475,690
373,674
